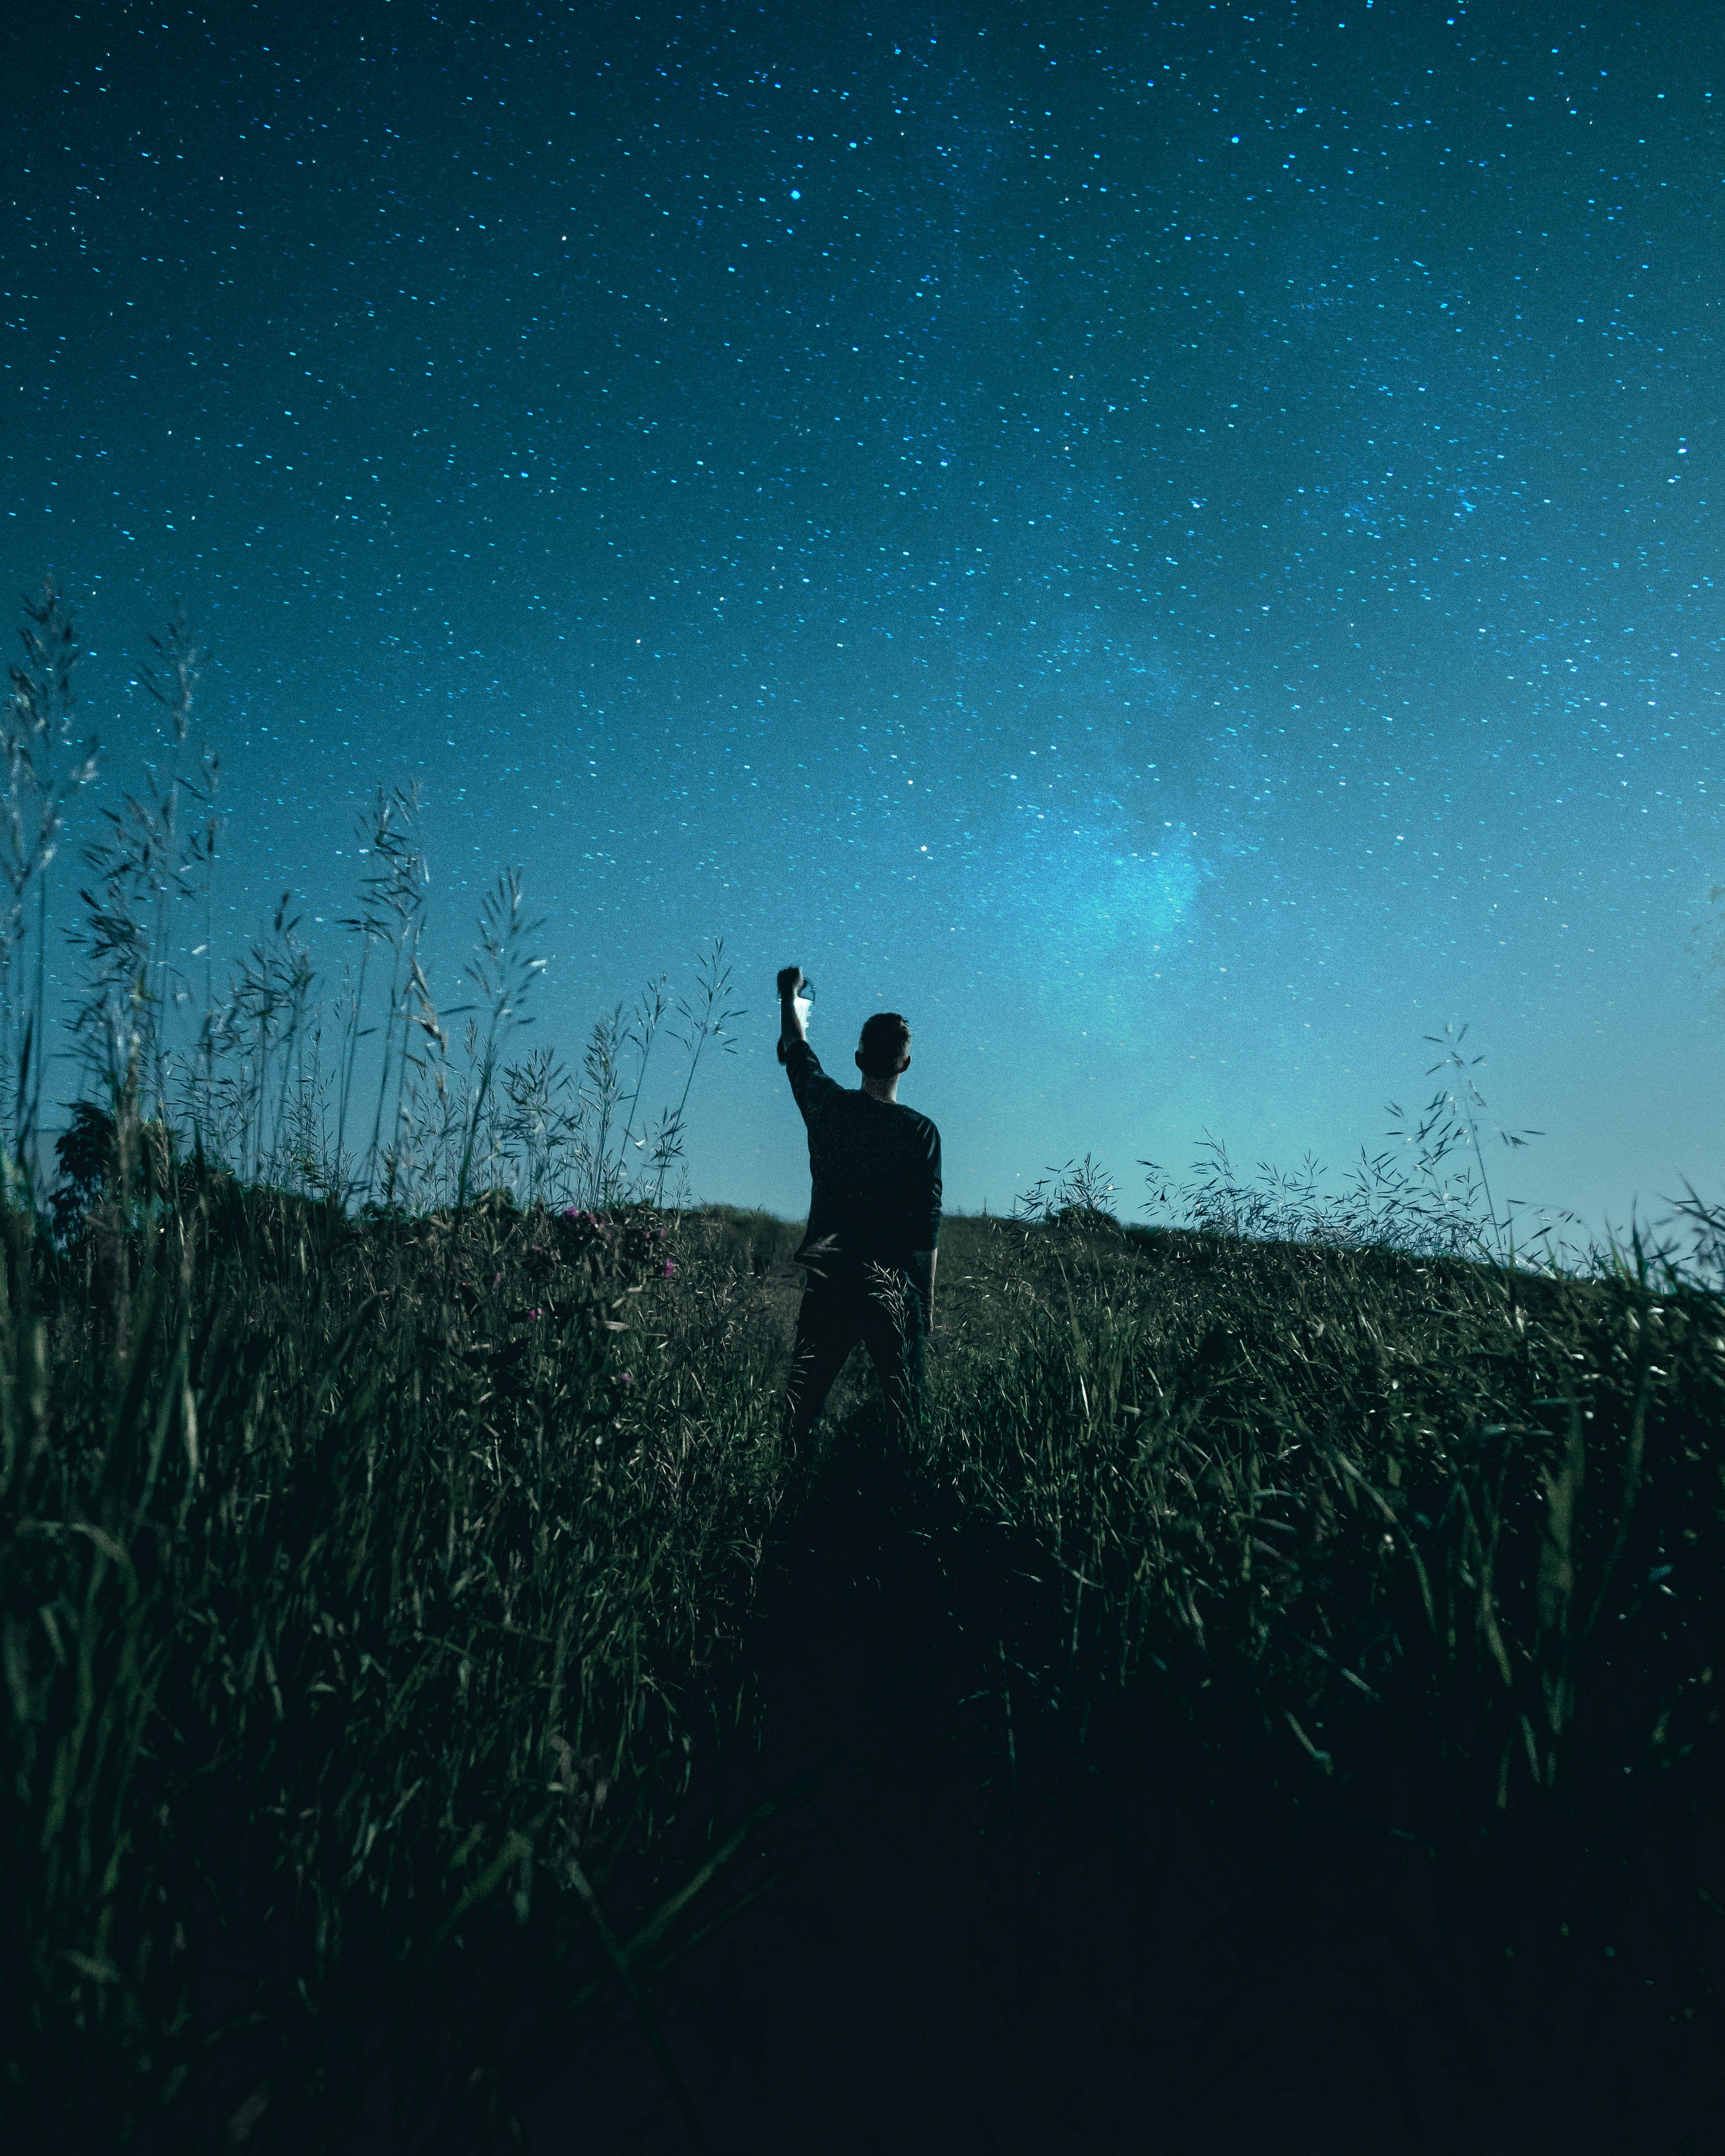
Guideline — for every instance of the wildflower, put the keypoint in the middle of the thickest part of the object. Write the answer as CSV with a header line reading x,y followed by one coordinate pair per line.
x,y
669,1268
629,1377
534,1317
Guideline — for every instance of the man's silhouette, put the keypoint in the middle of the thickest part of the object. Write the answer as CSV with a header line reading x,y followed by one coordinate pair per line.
x,y
874,1219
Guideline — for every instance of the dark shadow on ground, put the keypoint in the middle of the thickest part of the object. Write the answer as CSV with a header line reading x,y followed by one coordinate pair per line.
x,y
996,1927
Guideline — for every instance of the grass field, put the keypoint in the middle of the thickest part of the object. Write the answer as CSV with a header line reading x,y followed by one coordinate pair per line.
x,y
367,1583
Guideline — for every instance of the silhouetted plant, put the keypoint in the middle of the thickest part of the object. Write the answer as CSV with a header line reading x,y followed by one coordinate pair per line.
x,y
42,777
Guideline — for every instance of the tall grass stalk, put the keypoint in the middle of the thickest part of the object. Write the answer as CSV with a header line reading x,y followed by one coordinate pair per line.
x,y
44,777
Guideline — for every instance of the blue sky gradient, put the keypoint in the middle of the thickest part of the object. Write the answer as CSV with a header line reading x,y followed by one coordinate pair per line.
x,y
1171,544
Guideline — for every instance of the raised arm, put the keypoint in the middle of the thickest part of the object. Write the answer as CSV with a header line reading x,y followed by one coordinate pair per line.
x,y
791,1028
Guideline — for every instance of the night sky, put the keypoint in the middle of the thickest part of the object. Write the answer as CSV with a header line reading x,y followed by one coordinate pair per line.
x,y
1171,544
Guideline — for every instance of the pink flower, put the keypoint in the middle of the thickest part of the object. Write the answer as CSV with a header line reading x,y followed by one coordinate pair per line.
x,y
669,1268
534,1317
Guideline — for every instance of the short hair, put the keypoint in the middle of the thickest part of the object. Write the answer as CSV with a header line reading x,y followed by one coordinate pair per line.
x,y
884,1045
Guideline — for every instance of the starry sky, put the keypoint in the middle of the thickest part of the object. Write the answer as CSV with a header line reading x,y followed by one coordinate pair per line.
x,y
1171,543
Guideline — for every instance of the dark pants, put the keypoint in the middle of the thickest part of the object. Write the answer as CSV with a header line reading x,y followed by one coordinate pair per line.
x,y
836,1313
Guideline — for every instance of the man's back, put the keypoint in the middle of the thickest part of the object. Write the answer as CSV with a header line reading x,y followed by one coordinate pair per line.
x,y
875,1169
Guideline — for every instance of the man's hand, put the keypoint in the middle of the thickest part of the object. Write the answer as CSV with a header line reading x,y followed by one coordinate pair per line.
x,y
791,1028
926,1263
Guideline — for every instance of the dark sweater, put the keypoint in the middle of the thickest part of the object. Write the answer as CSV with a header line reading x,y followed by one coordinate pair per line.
x,y
875,1166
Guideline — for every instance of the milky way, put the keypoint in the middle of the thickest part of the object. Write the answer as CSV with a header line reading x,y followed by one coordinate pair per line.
x,y
1171,544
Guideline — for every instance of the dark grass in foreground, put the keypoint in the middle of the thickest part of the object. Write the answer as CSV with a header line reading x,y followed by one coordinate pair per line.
x,y
362,1580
